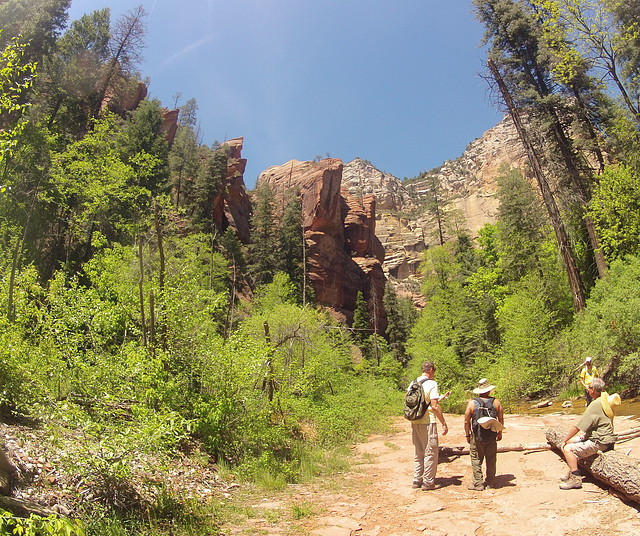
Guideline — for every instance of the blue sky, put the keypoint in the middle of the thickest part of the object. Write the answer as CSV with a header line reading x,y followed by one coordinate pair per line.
x,y
393,82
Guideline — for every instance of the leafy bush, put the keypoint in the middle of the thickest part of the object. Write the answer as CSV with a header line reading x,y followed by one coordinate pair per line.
x,y
39,526
609,328
526,325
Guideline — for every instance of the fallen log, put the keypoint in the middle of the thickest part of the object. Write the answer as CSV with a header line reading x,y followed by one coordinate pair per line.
x,y
627,437
461,451
24,508
614,469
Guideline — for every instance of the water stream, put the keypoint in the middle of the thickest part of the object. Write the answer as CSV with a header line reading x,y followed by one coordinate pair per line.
x,y
629,407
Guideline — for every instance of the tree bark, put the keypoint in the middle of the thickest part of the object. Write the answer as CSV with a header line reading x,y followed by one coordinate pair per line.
x,y
141,289
612,468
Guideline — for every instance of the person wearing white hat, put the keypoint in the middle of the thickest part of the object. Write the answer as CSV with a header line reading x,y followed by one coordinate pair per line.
x,y
483,425
596,425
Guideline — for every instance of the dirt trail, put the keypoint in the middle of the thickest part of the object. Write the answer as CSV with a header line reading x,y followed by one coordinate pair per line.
x,y
376,499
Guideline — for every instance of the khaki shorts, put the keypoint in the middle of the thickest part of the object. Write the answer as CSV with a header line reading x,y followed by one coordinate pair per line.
x,y
584,449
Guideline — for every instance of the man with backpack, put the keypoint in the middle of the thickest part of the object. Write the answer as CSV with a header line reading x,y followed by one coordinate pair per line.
x,y
483,425
424,430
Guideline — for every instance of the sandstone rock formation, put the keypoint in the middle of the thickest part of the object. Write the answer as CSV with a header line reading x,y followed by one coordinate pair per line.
x,y
363,226
344,255
468,182
237,203
170,124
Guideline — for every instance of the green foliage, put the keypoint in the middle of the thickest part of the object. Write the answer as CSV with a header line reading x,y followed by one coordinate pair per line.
x,y
360,325
262,249
291,257
106,469
16,77
95,187
146,349
39,526
143,135
431,340
615,209
526,324
521,224
609,329
184,161
38,21
401,316
455,318
301,510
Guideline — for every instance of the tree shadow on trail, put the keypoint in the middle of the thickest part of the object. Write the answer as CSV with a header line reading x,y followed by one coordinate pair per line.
x,y
502,481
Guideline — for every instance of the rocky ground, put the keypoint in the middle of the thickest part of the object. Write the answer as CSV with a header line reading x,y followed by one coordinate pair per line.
x,y
376,499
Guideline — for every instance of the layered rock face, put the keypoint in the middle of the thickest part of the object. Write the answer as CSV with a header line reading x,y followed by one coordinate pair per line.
x,y
344,255
467,182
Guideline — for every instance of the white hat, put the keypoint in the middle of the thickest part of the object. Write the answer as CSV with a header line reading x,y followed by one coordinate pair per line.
x,y
491,423
483,387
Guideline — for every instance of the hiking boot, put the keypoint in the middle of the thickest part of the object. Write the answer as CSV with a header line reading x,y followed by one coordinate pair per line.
x,y
566,477
417,484
428,487
476,487
574,482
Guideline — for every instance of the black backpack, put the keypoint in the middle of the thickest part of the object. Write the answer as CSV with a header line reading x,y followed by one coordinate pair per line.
x,y
483,408
415,403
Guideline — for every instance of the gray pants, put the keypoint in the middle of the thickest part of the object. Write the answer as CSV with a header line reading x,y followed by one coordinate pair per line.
x,y
480,451
425,442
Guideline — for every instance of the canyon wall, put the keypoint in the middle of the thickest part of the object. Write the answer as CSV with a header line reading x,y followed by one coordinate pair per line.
x,y
363,226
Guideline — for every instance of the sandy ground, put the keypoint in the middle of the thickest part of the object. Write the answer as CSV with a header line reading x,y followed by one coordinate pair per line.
x,y
376,499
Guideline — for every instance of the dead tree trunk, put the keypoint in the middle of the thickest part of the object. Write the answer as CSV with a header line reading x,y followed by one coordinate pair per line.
x,y
464,450
571,267
612,468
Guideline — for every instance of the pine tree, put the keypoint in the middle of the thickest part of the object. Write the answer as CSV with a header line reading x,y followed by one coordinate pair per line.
x,y
125,51
360,325
184,155
208,191
401,317
291,255
263,246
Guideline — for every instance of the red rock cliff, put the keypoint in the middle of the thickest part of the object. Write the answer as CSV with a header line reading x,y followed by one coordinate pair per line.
x,y
344,255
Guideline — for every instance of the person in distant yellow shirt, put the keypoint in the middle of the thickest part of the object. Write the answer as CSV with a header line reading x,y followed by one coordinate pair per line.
x,y
589,371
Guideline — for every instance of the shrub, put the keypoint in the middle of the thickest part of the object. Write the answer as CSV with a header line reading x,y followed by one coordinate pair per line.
x,y
39,526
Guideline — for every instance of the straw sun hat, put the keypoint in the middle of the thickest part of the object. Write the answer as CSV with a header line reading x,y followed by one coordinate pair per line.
x,y
610,403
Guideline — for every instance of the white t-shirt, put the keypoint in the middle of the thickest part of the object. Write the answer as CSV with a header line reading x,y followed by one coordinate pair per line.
x,y
430,388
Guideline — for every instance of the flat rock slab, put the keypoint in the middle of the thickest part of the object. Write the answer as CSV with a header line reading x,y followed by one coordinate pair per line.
x,y
332,531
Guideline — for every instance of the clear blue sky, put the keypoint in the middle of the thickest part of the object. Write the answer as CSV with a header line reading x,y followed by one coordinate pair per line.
x,y
392,81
